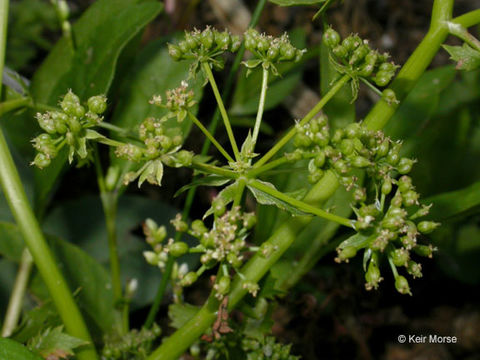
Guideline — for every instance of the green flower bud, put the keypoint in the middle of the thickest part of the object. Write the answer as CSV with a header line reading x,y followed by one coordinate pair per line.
x,y
382,78
360,195
382,149
234,260
337,136
393,154
41,161
387,67
386,186
218,205
266,249
198,228
405,184
235,43
183,45
287,51
424,250
175,52
331,38
207,38
263,44
184,157
400,257
372,276
223,285
191,41
319,159
401,284
389,96
346,253
349,43
74,124
410,198
347,147
70,98
222,39
359,54
272,53
341,166
352,130
360,162
97,104
189,279
426,227
405,165
178,249
340,51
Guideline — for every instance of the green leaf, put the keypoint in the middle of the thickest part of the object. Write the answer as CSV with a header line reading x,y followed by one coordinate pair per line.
x,y
11,241
296,2
454,203
209,180
179,314
54,343
267,199
247,92
12,350
466,57
100,35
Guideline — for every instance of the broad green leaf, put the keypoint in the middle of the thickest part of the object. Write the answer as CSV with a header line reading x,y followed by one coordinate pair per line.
x,y
339,109
454,203
54,343
267,199
247,92
466,57
11,241
296,2
12,350
100,35
179,314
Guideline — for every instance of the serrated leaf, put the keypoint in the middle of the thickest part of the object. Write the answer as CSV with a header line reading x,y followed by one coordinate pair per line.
x,y
267,199
54,344
296,2
210,180
179,314
466,57
12,350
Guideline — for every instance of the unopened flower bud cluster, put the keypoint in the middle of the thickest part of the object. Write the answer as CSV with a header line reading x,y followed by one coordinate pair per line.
x,y
67,126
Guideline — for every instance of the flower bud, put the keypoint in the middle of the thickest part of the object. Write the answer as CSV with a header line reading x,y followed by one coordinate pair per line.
x,y
175,52
426,227
372,276
346,253
97,104
189,279
178,249
400,257
223,285
41,161
218,206
207,38
405,165
331,38
401,284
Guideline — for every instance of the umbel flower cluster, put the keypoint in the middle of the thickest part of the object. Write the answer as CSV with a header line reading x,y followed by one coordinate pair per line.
x,y
386,209
68,126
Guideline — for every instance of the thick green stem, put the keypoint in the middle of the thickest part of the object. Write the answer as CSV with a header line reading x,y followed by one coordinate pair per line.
x,y
13,104
300,205
291,133
16,299
469,19
210,137
31,232
462,33
43,258
415,65
261,106
221,107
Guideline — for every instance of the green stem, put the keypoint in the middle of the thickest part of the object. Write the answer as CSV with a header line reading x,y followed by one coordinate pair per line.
x,y
300,204
32,234
291,133
271,165
211,169
109,203
44,260
462,33
16,299
471,18
221,107
242,182
261,106
210,137
118,130
415,65
13,104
